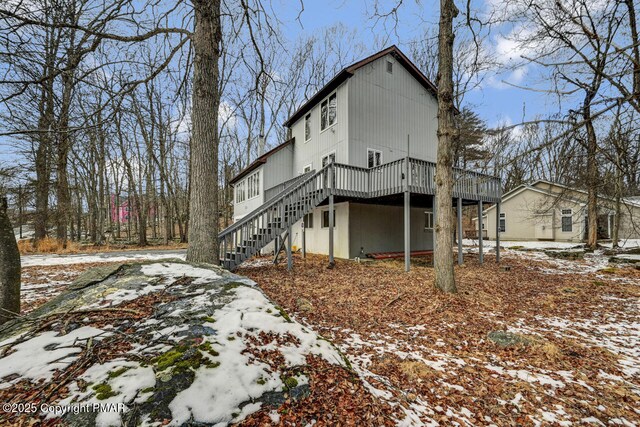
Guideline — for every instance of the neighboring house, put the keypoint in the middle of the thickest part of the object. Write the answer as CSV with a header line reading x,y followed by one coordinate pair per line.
x,y
361,146
544,210
123,210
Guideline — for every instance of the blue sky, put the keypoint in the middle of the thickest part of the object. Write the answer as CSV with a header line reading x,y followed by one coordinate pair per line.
x,y
496,102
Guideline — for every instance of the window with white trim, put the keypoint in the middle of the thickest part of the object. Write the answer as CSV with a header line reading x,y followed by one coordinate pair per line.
x,y
566,220
325,219
328,112
428,220
503,222
374,158
308,220
329,158
253,185
307,168
307,127
240,192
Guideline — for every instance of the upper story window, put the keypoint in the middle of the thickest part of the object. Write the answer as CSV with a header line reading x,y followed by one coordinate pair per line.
x,y
389,67
329,158
253,185
374,158
240,192
307,127
328,112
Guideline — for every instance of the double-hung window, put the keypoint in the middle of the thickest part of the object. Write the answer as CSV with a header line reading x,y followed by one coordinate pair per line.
x,y
503,222
428,220
567,220
329,158
240,192
374,158
253,185
325,218
307,127
328,112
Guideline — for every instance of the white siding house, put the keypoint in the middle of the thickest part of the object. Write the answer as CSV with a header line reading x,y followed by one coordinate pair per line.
x,y
361,134
547,211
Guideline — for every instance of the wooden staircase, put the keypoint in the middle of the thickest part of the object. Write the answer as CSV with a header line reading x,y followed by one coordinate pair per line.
x,y
257,229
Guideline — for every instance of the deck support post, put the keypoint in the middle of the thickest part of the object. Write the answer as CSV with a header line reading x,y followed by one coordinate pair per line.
x,y
407,231
407,214
480,249
498,232
331,225
289,249
460,232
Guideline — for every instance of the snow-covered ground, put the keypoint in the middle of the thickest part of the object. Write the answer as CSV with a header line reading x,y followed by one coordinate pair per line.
x,y
219,323
545,245
123,256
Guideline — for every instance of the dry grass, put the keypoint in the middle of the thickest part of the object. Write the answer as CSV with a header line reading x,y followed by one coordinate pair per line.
x,y
48,245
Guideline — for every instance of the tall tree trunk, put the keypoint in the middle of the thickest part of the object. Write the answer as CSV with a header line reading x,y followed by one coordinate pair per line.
x,y
443,257
9,268
203,203
592,174
633,25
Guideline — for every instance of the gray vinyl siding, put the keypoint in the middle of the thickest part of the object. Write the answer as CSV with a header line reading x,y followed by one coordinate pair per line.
x,y
322,143
279,167
384,108
379,228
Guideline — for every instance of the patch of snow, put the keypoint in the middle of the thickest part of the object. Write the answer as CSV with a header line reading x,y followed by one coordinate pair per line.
x,y
37,358
54,259
172,271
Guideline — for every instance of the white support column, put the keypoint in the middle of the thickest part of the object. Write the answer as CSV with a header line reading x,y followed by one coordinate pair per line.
x,y
498,232
460,232
480,249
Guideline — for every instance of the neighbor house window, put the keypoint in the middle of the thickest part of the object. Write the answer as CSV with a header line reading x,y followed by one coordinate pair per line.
x,y
503,222
328,112
374,158
308,220
253,185
567,220
389,67
307,127
325,219
428,220
240,192
329,158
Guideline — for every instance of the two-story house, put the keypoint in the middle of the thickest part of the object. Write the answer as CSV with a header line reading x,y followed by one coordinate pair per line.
x,y
364,148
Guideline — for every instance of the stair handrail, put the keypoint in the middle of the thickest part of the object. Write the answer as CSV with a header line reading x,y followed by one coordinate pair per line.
x,y
270,203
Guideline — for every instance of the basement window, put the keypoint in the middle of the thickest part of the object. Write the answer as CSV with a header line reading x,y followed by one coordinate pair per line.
x,y
308,220
325,219
428,220
567,220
